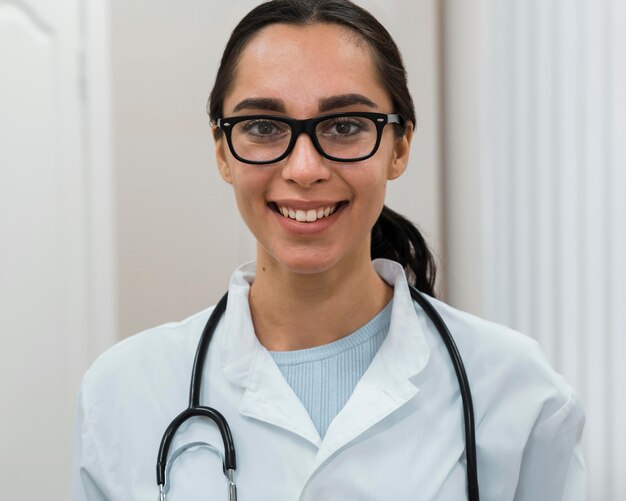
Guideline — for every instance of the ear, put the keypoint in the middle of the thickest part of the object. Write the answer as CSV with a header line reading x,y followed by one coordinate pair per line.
x,y
220,155
401,152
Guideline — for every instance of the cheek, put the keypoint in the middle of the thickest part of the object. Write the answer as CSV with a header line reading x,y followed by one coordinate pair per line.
x,y
245,192
375,176
370,189
250,185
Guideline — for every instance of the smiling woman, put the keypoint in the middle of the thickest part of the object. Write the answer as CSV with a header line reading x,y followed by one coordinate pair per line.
x,y
338,377
338,90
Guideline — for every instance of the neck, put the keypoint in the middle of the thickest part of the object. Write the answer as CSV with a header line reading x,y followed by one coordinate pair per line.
x,y
293,311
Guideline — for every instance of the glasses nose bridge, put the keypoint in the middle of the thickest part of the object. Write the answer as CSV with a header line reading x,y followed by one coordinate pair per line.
x,y
306,126
305,165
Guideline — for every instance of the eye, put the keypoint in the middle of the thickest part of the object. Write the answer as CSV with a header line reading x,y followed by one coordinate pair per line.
x,y
343,127
264,128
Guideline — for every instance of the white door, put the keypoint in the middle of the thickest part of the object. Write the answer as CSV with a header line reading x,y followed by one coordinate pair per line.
x,y
43,252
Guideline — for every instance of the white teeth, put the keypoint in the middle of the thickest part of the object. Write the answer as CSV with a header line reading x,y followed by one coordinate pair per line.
x,y
309,216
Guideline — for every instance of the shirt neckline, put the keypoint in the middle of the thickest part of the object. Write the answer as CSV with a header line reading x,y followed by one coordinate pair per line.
x,y
380,322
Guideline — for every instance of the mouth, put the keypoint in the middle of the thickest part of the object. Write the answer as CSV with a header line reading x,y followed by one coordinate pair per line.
x,y
307,215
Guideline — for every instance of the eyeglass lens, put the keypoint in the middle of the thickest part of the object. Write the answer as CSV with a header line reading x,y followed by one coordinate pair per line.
x,y
263,140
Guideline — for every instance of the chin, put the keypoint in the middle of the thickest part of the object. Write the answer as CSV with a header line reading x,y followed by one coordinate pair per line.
x,y
307,265
309,261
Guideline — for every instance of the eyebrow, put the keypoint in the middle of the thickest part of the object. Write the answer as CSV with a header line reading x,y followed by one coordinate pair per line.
x,y
325,104
261,103
343,100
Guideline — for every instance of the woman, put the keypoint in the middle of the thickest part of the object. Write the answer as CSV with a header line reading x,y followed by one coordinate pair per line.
x,y
336,385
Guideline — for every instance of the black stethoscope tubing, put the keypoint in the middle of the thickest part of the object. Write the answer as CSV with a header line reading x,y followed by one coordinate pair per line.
x,y
230,461
464,387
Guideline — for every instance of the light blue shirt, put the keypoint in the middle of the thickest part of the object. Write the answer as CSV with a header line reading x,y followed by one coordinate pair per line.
x,y
324,377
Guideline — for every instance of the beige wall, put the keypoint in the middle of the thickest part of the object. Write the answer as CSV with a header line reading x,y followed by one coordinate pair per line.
x,y
178,231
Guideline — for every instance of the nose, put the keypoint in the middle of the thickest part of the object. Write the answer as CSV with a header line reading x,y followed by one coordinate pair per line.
x,y
305,166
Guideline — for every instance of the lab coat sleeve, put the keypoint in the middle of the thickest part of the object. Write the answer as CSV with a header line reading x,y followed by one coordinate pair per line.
x,y
553,467
84,486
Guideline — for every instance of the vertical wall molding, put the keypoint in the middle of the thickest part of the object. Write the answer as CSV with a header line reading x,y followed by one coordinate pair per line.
x,y
97,119
616,109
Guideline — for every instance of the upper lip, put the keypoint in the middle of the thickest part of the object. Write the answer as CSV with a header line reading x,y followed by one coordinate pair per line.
x,y
305,204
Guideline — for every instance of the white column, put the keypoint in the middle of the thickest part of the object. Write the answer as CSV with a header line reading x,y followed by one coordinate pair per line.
x,y
549,184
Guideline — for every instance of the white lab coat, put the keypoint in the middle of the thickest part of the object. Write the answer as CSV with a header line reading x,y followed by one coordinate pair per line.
x,y
399,437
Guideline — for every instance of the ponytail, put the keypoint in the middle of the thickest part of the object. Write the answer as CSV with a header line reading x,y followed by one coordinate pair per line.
x,y
395,237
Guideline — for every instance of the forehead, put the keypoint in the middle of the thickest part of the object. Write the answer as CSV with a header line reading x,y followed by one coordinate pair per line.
x,y
304,64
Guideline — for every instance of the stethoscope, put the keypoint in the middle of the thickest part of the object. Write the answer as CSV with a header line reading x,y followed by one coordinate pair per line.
x,y
229,458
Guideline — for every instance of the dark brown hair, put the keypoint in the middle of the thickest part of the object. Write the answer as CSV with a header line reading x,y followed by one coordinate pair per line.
x,y
393,236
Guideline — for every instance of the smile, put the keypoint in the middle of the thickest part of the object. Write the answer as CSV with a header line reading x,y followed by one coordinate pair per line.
x,y
306,215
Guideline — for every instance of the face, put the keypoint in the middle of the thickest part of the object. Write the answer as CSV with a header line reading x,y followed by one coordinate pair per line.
x,y
303,72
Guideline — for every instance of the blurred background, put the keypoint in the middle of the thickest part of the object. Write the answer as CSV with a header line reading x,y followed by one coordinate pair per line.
x,y
113,219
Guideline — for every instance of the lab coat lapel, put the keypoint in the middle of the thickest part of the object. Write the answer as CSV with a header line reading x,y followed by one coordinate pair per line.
x,y
386,385
269,398
246,363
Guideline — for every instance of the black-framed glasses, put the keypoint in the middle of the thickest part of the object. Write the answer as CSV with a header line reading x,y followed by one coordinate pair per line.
x,y
341,137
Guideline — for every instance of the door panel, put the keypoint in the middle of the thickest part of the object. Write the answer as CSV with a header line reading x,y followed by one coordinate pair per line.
x,y
42,251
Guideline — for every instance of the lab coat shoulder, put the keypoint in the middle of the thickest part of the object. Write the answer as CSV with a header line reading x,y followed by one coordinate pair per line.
x,y
142,371
500,358
131,365
523,404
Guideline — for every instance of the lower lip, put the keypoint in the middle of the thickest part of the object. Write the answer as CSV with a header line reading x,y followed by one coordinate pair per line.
x,y
307,229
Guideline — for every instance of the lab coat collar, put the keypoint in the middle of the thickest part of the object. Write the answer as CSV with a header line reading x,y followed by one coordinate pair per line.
x,y
246,363
385,386
240,346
